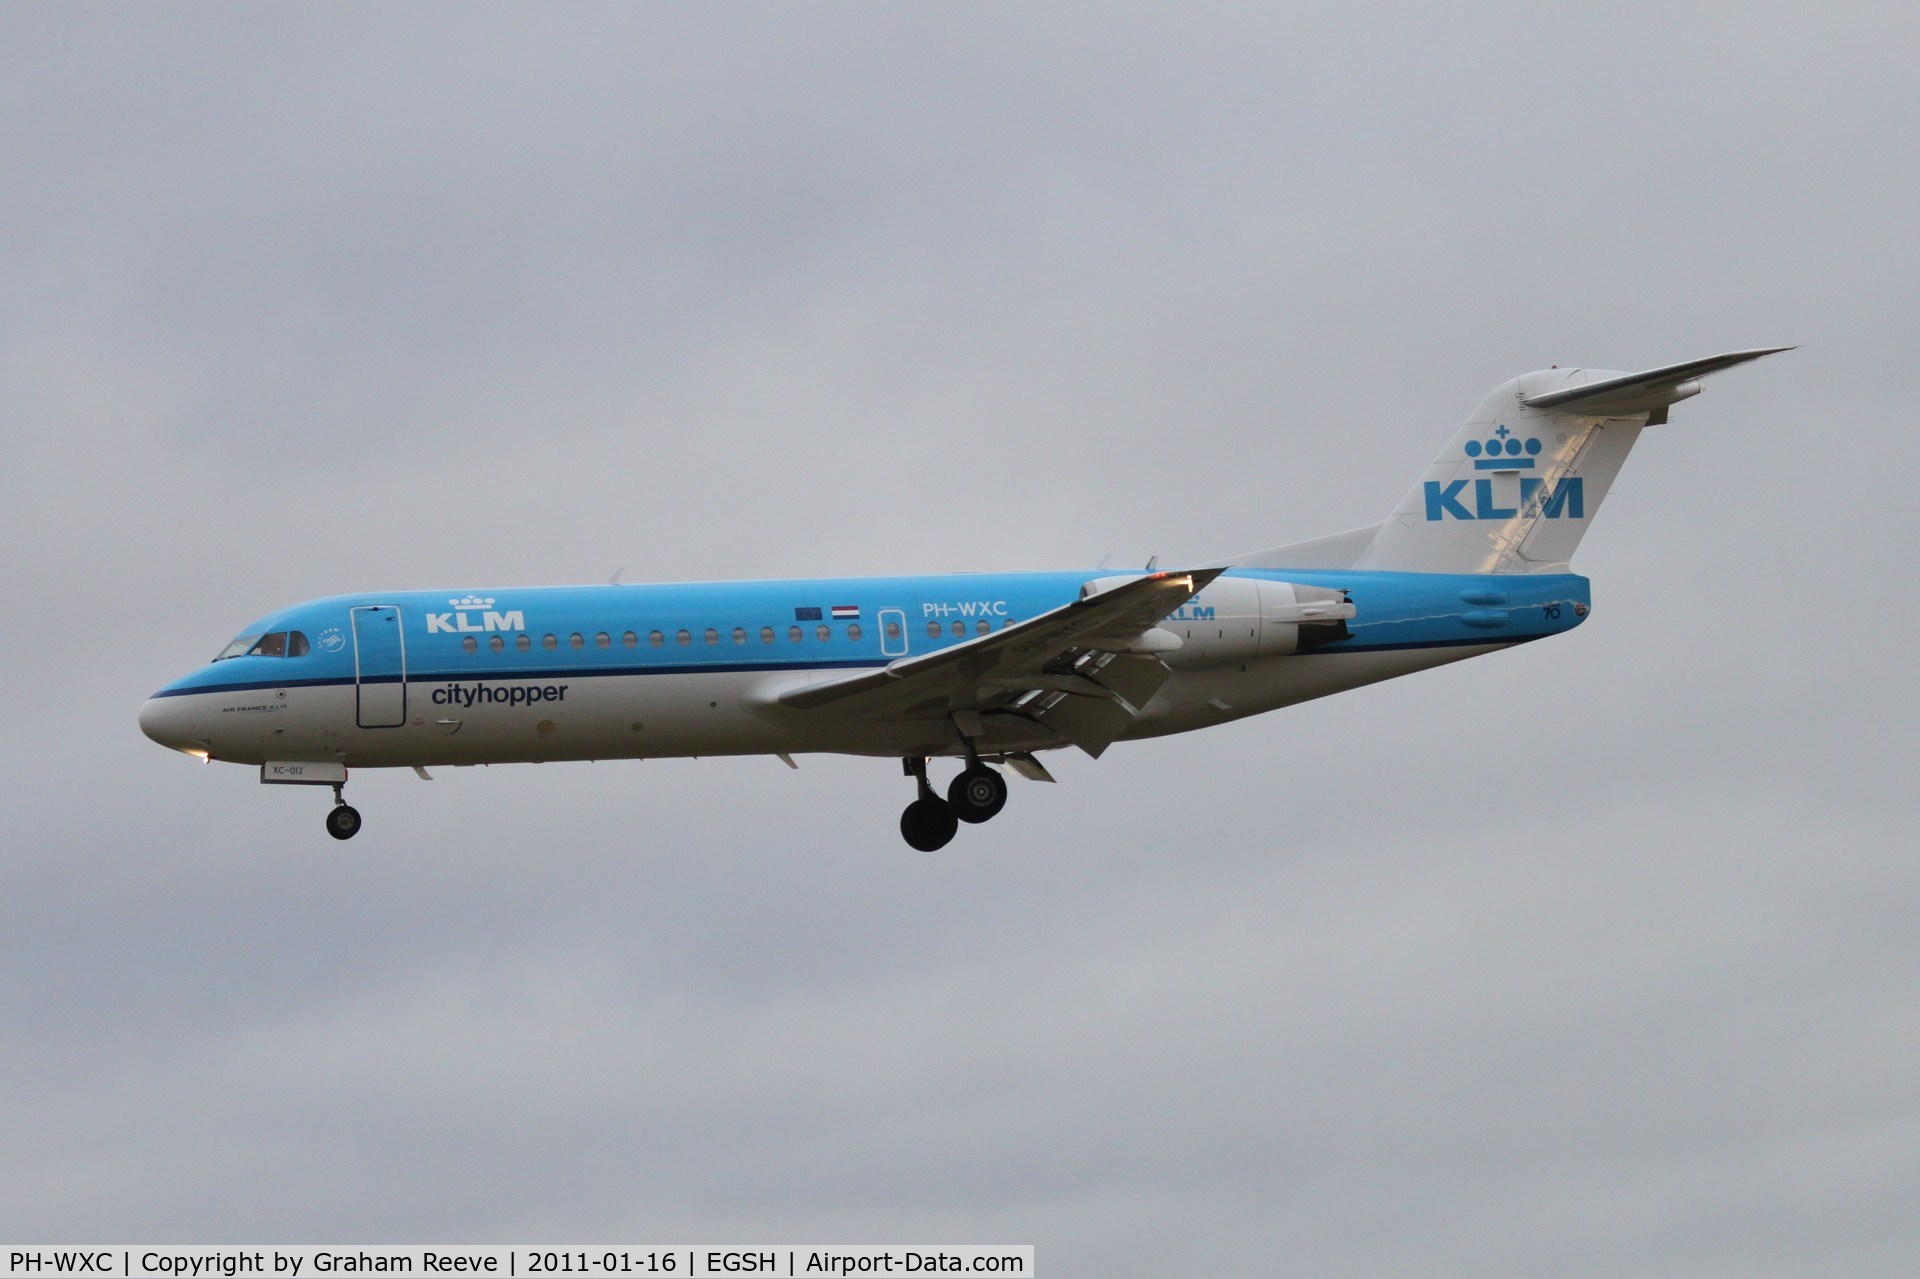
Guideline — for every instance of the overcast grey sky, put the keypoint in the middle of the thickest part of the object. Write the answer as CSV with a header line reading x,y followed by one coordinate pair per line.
x,y
1593,958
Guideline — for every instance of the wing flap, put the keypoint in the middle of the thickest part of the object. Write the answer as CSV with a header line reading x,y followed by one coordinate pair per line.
x,y
1092,723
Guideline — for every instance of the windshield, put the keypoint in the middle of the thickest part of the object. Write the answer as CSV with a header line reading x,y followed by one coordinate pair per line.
x,y
239,648
273,644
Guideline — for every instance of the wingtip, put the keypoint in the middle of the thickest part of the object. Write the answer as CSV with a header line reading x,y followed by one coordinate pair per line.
x,y
1734,359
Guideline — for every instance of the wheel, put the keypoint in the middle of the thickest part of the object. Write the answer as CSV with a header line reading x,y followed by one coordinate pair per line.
x,y
977,794
343,822
928,823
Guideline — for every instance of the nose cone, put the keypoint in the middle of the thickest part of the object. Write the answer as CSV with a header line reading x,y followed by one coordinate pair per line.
x,y
167,721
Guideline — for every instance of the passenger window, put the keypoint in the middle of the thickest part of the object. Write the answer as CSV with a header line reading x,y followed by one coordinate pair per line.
x,y
711,636
982,626
469,644
795,634
576,640
1005,622
959,629
822,633
766,635
933,630
297,644
274,645
602,640
853,631
522,642
496,645
630,639
681,637
549,643
655,639
893,630
739,635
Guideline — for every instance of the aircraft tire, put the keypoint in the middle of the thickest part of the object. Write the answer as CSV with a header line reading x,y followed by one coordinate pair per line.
x,y
928,823
343,822
978,794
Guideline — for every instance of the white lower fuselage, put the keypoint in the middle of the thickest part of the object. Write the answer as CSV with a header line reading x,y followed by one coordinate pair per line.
x,y
674,715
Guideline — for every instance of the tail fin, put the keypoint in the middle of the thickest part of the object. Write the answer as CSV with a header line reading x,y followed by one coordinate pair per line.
x,y
1516,489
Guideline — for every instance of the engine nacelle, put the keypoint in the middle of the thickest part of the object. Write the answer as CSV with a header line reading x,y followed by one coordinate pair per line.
x,y
1238,619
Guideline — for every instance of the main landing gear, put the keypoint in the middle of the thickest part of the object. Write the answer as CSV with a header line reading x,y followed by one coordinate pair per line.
x,y
344,821
929,823
977,794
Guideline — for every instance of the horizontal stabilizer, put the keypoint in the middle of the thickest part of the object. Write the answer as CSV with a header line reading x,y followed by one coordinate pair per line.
x,y
1632,393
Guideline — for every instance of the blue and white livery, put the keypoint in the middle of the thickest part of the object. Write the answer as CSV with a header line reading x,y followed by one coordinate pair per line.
x,y
992,669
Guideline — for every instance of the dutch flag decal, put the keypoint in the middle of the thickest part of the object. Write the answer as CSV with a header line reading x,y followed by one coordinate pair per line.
x,y
846,612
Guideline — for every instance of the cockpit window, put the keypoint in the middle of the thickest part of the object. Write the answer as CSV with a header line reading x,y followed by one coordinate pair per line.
x,y
239,648
273,644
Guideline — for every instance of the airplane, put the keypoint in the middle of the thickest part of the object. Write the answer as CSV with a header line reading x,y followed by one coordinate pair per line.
x,y
991,669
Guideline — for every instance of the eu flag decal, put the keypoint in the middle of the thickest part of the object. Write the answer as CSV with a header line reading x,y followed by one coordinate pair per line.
x,y
806,614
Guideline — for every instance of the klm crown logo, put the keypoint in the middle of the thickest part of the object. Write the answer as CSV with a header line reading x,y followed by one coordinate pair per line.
x,y
1502,452
472,601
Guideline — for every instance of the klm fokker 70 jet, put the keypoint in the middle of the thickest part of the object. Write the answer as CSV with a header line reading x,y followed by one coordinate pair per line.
x,y
992,669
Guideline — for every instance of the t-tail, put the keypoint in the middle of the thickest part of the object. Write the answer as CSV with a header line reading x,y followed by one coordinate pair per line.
x,y
1517,487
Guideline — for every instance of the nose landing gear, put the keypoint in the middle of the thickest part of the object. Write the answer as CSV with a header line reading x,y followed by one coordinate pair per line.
x,y
344,821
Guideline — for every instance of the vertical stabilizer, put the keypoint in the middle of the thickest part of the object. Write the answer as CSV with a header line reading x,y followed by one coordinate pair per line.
x,y
1515,490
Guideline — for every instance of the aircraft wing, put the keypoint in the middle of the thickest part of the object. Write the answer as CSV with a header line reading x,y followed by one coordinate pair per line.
x,y
1078,669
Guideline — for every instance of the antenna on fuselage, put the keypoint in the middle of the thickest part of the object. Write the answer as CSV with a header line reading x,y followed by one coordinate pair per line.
x,y
615,579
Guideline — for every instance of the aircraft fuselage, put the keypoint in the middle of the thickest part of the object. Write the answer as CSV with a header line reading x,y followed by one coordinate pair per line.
x,y
421,678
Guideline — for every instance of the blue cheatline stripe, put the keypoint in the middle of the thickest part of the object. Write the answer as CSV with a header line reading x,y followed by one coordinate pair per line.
x,y
444,677
252,686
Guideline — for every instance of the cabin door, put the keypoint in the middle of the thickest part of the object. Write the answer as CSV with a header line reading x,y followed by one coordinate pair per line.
x,y
379,667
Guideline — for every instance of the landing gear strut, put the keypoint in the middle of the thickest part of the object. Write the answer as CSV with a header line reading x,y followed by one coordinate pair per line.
x,y
929,822
344,821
